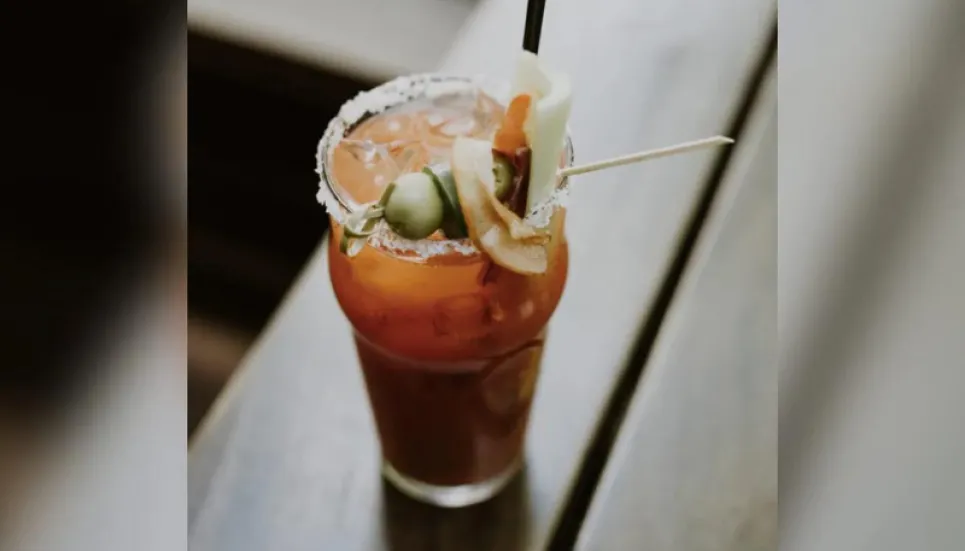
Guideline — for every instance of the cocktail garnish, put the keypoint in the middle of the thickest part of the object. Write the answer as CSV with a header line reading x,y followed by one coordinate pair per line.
x,y
411,205
494,228
544,125
516,200
504,175
453,222
414,210
362,223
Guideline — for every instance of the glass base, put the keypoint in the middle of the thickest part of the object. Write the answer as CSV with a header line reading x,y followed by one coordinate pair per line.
x,y
450,496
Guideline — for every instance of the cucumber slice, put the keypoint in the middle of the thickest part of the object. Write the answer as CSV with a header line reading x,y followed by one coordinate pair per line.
x,y
545,125
503,174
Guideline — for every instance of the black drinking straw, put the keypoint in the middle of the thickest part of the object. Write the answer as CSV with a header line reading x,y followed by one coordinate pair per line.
x,y
534,24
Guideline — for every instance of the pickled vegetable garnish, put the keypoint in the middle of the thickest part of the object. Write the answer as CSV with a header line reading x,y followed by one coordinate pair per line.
x,y
453,222
544,124
495,229
511,135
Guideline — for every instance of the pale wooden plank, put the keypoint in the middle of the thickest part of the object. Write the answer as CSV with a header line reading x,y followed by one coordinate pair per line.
x,y
871,275
695,466
371,39
296,466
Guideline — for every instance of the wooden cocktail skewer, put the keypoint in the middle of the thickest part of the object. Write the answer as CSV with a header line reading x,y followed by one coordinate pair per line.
x,y
375,212
645,155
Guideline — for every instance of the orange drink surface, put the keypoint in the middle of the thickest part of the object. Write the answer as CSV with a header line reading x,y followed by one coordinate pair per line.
x,y
449,343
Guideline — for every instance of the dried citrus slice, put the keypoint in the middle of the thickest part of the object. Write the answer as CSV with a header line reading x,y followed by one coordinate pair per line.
x,y
494,228
518,229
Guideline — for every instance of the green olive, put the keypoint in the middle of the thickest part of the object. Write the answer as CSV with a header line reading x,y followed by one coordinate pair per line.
x,y
414,209
503,173
453,222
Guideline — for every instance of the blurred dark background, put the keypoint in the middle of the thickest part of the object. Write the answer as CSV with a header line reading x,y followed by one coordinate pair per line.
x,y
254,119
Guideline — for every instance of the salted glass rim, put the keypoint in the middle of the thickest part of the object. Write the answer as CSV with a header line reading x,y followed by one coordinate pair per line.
x,y
390,94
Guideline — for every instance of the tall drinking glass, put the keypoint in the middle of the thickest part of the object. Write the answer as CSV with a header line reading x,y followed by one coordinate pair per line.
x,y
449,343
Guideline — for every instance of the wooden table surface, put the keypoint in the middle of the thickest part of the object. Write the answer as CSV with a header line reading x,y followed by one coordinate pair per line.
x,y
695,465
870,275
288,458
369,39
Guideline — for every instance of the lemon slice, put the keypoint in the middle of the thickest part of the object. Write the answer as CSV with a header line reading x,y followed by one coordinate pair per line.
x,y
495,229
545,125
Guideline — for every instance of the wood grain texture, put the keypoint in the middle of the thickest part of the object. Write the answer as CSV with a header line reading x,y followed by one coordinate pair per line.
x,y
871,275
370,39
289,459
695,466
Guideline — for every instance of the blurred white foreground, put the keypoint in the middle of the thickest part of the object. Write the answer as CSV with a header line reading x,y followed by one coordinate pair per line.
x,y
114,478
872,275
